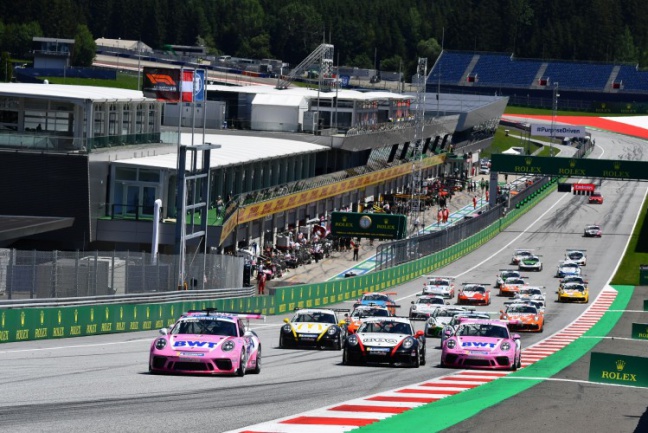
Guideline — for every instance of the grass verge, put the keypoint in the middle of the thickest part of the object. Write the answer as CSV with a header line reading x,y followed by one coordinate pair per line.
x,y
637,254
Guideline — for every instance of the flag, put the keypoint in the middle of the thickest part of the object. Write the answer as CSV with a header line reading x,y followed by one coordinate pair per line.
x,y
187,86
161,84
199,85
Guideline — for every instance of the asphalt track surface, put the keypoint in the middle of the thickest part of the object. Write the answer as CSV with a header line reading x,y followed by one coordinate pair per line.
x,y
101,383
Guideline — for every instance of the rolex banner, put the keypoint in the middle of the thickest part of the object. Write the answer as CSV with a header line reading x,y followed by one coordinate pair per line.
x,y
618,369
369,225
640,331
162,84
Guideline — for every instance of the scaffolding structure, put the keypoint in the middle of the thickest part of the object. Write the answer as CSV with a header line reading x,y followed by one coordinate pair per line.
x,y
417,216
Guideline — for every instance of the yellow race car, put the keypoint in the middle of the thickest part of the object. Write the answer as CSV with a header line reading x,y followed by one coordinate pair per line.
x,y
573,292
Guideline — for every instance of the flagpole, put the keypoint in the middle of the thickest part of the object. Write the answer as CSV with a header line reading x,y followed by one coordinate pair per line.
x,y
193,107
204,104
181,199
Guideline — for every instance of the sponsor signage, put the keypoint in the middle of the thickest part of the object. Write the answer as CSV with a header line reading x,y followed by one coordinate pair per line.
x,y
556,166
302,198
369,225
640,331
584,187
162,84
618,369
558,130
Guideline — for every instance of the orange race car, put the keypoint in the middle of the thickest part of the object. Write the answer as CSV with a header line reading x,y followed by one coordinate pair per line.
x,y
523,317
361,312
511,286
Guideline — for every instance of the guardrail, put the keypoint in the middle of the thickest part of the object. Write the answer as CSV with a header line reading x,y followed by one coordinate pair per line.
x,y
56,320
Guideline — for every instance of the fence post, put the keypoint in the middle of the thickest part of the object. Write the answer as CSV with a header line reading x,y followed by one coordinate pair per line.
x,y
76,272
54,273
33,282
12,262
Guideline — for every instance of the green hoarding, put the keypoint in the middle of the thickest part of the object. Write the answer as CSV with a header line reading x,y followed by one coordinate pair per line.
x,y
369,225
640,331
618,369
577,167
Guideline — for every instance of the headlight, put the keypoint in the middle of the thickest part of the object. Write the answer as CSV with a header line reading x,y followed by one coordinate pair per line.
x,y
504,317
286,328
332,330
506,346
413,307
352,340
431,321
451,344
160,343
228,345
408,343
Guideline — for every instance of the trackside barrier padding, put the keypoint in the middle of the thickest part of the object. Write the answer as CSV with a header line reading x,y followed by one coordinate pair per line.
x,y
35,323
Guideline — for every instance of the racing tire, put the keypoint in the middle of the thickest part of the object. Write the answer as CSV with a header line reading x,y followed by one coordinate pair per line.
x,y
423,361
338,343
282,344
347,359
242,364
257,368
417,360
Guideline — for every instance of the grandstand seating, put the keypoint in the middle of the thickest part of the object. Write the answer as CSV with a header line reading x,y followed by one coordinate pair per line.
x,y
498,69
575,75
502,70
633,79
451,67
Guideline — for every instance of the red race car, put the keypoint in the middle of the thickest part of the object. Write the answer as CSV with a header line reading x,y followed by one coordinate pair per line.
x,y
595,198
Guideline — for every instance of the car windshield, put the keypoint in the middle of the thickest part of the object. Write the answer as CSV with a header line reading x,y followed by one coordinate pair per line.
x,y
522,309
570,265
375,297
575,255
438,283
386,328
593,228
370,312
576,287
314,317
478,289
482,330
430,301
535,292
514,281
506,275
442,312
206,327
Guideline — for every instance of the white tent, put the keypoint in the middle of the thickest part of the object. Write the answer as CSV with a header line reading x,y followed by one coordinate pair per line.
x,y
277,112
123,44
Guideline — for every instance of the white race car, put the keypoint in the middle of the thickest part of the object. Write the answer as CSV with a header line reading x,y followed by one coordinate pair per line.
x,y
440,319
534,293
385,340
577,256
439,286
504,274
530,263
593,231
424,306
520,254
568,268
313,327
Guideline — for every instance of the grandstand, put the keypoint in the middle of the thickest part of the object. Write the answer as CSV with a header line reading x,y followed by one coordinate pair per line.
x,y
581,84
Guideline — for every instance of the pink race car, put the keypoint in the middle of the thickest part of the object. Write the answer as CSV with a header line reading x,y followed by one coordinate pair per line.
x,y
485,344
207,342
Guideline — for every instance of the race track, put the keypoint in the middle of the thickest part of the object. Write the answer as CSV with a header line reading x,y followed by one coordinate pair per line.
x,y
101,383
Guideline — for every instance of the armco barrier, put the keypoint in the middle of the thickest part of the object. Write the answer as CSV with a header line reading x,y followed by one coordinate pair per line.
x,y
35,323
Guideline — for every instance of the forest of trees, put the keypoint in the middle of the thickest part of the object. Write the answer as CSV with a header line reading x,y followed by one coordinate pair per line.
x,y
365,33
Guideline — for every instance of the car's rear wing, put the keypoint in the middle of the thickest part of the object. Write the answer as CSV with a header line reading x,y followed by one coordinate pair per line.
x,y
578,250
439,277
477,284
214,312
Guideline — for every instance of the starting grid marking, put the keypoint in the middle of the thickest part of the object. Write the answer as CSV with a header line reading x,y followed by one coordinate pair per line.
x,y
351,414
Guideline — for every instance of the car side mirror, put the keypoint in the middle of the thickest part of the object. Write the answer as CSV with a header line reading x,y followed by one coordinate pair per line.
x,y
516,336
418,334
164,331
447,332
413,302
501,311
342,323
287,320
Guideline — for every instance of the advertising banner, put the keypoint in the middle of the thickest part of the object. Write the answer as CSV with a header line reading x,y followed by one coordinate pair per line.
x,y
368,225
162,84
640,331
558,130
618,369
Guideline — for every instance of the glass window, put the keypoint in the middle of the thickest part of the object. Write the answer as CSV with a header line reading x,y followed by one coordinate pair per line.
x,y
124,173
149,175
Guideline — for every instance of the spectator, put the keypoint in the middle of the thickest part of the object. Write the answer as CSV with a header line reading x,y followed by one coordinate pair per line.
x,y
356,250
474,202
261,280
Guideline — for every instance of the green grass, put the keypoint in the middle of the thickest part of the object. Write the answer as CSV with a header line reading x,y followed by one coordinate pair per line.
x,y
546,112
637,254
502,142
123,81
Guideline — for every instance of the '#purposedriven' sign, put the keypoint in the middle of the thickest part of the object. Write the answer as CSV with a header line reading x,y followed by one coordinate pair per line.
x,y
618,369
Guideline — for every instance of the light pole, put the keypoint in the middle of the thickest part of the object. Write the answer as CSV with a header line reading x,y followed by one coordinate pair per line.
x,y
554,109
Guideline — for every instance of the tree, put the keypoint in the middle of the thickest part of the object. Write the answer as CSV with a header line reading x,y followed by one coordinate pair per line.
x,y
85,47
429,48
6,72
625,47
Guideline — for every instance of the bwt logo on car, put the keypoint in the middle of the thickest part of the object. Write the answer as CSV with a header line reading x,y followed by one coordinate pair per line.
x,y
476,344
209,344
